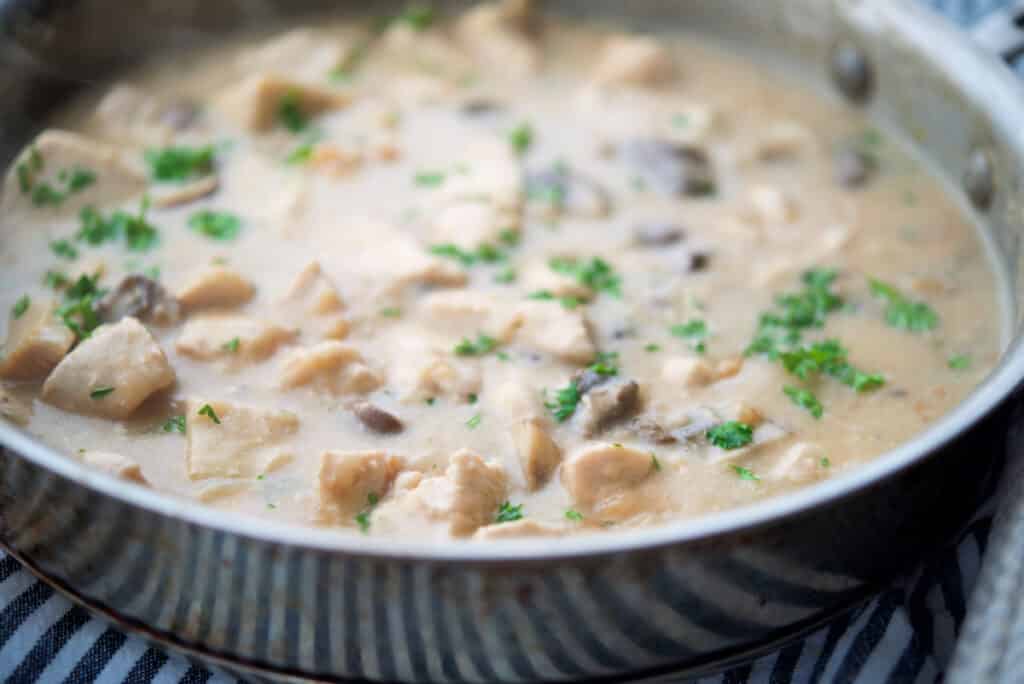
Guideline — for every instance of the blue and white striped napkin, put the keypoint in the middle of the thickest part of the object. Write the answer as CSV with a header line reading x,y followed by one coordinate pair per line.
x,y
904,636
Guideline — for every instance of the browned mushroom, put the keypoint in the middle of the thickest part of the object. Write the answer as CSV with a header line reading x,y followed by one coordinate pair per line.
x,y
669,168
139,297
376,418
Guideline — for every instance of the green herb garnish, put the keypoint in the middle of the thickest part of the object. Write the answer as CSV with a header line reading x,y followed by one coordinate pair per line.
x,y
731,435
567,302
79,309
216,225
362,518
100,392
290,114
825,462
901,312
596,274
180,163
694,330
573,515
175,424
55,279
418,16
509,513
207,410
429,179
520,138
829,358
64,249
21,306
474,422
606,363
746,473
804,399
510,237
231,345
505,276
391,312
795,313
652,347
655,463
566,400
484,344
960,362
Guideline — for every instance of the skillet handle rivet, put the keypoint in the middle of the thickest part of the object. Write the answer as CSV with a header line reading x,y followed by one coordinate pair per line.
x,y
852,72
979,183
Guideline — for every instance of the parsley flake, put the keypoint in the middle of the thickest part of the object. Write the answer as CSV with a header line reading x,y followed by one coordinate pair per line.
x,y
362,518
960,362
290,113
746,473
565,402
521,138
509,513
573,515
429,179
21,306
655,463
795,313
231,345
567,302
805,399
652,347
180,163
391,312
175,424
484,344
216,225
100,392
474,422
55,279
731,435
596,274
901,312
207,410
64,249
417,16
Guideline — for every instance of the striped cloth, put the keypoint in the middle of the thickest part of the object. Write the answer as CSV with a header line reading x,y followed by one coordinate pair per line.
x,y
904,636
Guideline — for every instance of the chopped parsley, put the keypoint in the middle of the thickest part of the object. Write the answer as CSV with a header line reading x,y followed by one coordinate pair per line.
x,y
21,306
960,362
566,400
805,399
362,518
505,276
606,363
417,16
216,225
429,401
301,154
100,392
652,347
510,237
139,235
474,422
180,163
64,249
472,398
55,279
901,312
731,435
746,473
94,229
175,424
484,344
391,312
487,254
290,114
207,410
78,312
231,345
825,462
567,302
520,138
502,356
655,463
28,168
694,330
829,358
795,313
596,274
429,179
509,513
42,193
573,515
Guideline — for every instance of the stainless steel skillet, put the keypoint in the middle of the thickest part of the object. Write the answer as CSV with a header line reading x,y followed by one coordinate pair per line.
x,y
281,601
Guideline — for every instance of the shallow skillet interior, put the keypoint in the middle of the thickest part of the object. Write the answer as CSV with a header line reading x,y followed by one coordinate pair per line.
x,y
933,89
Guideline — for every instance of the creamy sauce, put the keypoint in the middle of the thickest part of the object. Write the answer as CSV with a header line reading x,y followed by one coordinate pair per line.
x,y
466,217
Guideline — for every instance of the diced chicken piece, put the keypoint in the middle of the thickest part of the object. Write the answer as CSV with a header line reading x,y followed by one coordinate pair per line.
x,y
518,401
770,206
601,478
43,176
256,103
496,34
519,529
728,368
114,464
215,287
802,463
538,453
468,495
780,141
111,373
549,327
170,195
130,114
404,264
227,336
471,224
687,371
633,61
322,305
603,406
230,440
493,174
36,342
13,407
330,366
746,413
438,376
300,53
347,481
539,277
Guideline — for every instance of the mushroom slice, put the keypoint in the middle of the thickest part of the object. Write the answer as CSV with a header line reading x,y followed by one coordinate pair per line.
x,y
139,297
668,168
562,190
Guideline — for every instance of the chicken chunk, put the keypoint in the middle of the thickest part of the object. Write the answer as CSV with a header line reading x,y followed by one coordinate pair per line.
x,y
347,481
539,277
329,366
600,478
69,171
494,175
227,336
518,401
215,287
114,464
111,373
322,307
550,328
687,372
438,376
538,453
262,100
404,264
803,462
472,224
467,496
519,529
496,34
36,342
230,440
633,61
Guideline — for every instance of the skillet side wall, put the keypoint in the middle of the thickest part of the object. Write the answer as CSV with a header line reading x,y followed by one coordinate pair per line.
x,y
695,605
692,606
